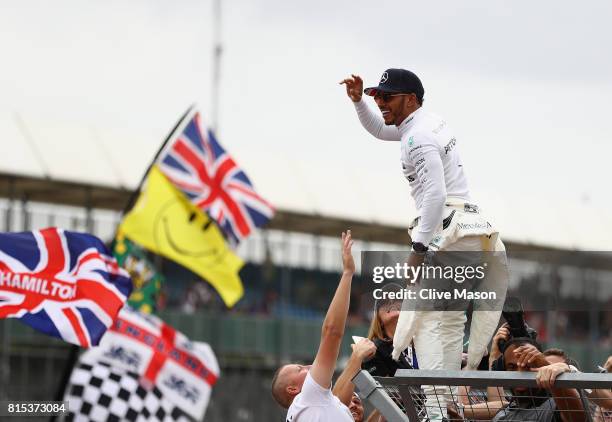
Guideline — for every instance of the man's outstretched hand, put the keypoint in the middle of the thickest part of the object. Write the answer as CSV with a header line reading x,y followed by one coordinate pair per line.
x,y
354,87
348,264
334,323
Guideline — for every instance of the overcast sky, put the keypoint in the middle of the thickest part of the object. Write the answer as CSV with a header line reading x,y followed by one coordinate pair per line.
x,y
524,84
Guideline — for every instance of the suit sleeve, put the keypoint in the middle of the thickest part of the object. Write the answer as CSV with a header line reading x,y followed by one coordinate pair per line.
x,y
375,124
425,156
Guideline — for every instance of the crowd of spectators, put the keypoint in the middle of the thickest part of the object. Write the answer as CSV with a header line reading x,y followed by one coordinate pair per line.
x,y
308,298
546,403
307,390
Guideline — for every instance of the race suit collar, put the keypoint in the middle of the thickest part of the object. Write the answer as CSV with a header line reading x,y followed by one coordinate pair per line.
x,y
408,122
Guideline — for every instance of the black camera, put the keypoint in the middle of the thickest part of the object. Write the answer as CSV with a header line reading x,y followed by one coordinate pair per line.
x,y
515,317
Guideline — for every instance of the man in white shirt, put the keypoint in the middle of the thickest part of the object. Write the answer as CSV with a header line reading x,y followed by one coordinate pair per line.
x,y
446,220
306,390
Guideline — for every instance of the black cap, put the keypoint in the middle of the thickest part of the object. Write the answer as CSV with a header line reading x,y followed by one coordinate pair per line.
x,y
398,81
389,287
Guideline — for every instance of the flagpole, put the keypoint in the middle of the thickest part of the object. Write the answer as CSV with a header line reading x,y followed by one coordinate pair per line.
x,y
134,194
5,335
73,356
217,51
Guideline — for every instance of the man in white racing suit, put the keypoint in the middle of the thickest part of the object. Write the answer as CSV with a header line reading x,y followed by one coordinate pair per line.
x,y
447,220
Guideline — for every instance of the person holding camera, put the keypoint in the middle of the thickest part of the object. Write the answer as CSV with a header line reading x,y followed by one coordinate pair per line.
x,y
502,335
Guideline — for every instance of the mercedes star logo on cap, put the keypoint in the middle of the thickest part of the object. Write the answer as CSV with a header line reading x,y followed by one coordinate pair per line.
x,y
384,78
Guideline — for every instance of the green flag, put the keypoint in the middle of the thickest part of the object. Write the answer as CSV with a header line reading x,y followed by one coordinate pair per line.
x,y
147,280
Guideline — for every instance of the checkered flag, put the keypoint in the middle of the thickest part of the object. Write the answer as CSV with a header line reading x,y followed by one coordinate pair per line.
x,y
99,392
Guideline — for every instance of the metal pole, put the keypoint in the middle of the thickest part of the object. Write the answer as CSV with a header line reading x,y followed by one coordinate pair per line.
x,y
36,152
285,293
591,283
89,222
136,193
217,51
25,215
371,390
8,217
318,253
551,311
5,334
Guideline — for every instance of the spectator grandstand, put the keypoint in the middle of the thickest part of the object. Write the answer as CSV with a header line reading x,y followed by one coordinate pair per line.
x,y
291,271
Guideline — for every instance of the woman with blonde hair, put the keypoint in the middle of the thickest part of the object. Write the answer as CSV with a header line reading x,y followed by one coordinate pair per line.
x,y
382,330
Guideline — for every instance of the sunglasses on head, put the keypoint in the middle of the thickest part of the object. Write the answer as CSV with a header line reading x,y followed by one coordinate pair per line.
x,y
391,306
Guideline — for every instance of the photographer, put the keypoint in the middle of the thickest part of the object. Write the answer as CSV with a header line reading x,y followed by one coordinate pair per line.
x,y
514,327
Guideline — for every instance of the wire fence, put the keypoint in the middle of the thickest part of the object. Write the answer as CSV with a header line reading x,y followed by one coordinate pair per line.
x,y
420,395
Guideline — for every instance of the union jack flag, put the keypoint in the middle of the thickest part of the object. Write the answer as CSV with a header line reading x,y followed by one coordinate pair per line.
x,y
198,165
63,283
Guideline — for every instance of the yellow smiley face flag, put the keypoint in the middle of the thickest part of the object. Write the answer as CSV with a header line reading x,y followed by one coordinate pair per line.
x,y
164,221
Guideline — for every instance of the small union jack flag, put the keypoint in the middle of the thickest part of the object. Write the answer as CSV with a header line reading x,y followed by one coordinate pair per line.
x,y
198,166
63,283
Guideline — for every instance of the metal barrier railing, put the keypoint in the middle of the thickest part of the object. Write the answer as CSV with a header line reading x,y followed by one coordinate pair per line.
x,y
402,398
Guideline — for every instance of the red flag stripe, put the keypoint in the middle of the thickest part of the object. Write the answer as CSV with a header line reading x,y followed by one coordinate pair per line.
x,y
56,261
161,349
90,289
183,358
250,193
29,303
76,326
84,259
215,185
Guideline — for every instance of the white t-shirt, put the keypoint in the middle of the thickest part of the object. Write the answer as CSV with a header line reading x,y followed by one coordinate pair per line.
x,y
430,161
317,404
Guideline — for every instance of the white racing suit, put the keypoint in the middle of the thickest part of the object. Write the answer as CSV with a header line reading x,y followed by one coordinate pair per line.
x,y
438,335
433,167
